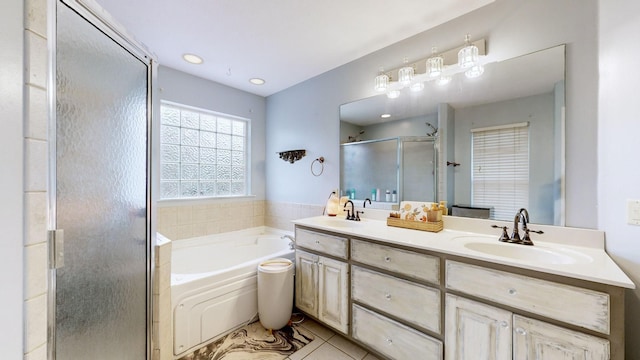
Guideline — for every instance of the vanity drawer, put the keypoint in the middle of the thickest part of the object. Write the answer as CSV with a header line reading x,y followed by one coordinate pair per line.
x,y
328,244
409,263
391,338
582,307
414,303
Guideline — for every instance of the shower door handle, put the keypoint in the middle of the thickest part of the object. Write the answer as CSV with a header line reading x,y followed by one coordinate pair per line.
x,y
56,248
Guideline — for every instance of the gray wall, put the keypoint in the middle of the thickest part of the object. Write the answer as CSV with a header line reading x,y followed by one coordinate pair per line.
x,y
306,115
190,90
11,178
538,110
618,147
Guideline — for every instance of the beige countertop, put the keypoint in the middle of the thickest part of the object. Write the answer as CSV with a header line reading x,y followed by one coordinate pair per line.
x,y
570,252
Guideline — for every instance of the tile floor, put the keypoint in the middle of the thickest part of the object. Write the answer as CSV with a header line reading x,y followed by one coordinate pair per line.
x,y
328,345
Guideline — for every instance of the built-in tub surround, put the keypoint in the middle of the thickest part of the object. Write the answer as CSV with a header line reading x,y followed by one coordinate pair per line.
x,y
557,297
184,219
214,282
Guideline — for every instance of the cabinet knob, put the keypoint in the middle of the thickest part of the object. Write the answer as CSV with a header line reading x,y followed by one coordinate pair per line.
x,y
387,258
512,291
504,324
521,331
389,342
387,296
317,241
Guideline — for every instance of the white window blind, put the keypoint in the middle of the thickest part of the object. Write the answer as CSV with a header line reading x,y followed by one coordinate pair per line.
x,y
203,154
500,169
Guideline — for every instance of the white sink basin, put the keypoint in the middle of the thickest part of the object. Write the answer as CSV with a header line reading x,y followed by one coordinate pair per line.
x,y
339,222
529,253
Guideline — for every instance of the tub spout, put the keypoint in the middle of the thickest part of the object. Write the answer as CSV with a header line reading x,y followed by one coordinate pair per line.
x,y
292,242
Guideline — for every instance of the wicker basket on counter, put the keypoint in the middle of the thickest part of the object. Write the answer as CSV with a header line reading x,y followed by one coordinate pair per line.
x,y
416,225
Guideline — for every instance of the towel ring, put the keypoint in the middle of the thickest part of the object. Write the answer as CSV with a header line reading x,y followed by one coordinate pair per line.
x,y
320,160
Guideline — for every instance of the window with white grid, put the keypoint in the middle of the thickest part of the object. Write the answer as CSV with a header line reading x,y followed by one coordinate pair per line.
x,y
500,169
203,154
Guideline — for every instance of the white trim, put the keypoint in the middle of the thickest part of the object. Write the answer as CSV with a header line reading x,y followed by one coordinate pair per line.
x,y
500,127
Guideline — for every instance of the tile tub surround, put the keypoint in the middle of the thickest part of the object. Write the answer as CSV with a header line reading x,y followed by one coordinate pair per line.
x,y
185,219
191,218
162,336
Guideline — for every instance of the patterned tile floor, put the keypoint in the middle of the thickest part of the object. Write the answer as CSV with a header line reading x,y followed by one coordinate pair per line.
x,y
308,340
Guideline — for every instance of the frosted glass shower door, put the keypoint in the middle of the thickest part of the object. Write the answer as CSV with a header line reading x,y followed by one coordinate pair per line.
x,y
100,294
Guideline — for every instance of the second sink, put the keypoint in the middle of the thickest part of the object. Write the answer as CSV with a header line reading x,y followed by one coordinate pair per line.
x,y
529,253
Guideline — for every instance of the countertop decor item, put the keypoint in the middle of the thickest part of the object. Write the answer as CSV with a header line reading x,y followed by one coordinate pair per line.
x,y
416,225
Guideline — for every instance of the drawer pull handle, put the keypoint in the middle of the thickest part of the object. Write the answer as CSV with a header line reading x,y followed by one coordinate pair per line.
x,y
521,331
317,241
512,291
387,296
389,342
387,258
504,324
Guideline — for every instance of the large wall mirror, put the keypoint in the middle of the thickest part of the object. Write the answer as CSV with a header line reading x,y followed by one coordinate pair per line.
x,y
525,93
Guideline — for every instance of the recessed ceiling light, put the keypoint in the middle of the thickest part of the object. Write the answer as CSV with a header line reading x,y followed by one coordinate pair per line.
x,y
257,81
384,116
193,59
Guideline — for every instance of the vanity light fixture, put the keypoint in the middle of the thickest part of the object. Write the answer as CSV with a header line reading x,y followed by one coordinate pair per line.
x,y
405,74
434,64
393,94
192,59
257,81
440,67
417,86
382,81
468,55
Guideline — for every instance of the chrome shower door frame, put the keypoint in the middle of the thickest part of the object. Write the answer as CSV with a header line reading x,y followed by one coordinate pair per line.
x,y
99,18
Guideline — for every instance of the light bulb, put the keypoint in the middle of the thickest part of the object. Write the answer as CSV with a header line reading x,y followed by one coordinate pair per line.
x,y
468,55
434,64
475,71
405,74
393,94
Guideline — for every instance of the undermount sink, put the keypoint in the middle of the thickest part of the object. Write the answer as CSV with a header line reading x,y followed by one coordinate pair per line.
x,y
529,253
340,222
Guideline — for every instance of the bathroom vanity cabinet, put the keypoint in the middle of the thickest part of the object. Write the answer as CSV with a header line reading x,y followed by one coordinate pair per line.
x,y
322,279
403,301
474,325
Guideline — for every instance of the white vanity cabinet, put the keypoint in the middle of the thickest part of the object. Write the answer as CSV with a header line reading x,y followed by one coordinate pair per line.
x,y
476,330
396,300
321,281
403,296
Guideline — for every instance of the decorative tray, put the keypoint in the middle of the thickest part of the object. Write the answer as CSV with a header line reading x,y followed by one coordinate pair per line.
x,y
416,225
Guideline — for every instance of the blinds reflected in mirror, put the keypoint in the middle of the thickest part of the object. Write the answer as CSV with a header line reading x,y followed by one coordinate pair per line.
x,y
500,169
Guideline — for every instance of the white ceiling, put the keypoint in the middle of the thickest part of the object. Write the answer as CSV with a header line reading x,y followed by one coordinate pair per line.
x,y
282,41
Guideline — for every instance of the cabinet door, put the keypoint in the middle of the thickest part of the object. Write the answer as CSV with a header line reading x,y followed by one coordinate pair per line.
x,y
307,282
333,296
475,331
537,340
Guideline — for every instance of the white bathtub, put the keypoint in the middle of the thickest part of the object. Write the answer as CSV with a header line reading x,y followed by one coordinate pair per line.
x,y
214,282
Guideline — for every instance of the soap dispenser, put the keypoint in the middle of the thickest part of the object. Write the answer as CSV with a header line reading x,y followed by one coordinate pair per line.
x,y
333,204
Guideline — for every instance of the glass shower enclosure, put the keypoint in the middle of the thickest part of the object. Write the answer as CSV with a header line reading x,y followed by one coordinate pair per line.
x,y
406,165
100,250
